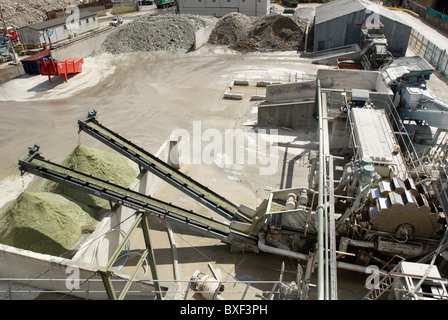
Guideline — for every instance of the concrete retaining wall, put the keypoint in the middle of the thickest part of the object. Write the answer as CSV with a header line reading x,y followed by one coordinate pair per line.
x,y
291,91
24,264
292,105
349,79
10,72
202,35
82,47
291,115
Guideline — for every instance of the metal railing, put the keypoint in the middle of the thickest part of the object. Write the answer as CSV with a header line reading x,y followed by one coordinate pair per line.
x,y
436,163
286,77
250,290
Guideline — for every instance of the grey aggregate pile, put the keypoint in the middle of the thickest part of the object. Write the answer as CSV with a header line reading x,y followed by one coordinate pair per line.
x,y
156,33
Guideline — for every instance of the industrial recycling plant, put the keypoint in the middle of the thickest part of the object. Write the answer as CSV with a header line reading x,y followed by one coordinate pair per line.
x,y
342,168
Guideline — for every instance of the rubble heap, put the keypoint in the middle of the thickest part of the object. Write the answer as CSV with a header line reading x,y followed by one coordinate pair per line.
x,y
156,33
230,29
273,32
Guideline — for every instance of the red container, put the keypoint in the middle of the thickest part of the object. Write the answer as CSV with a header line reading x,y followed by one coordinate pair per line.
x,y
73,65
50,67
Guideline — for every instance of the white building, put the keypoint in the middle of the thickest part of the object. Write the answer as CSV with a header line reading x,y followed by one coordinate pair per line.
x,y
55,30
219,8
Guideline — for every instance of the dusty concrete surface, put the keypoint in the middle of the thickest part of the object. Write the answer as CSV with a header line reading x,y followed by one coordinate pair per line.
x,y
144,97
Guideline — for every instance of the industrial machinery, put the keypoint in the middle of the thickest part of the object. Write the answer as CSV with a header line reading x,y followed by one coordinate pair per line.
x,y
36,164
386,211
376,219
9,32
419,110
374,51
376,216
242,222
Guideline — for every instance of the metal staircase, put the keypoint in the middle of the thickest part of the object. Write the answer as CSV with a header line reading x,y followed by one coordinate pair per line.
x,y
386,283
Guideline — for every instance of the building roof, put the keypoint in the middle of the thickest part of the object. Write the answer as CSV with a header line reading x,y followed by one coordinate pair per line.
x,y
56,22
336,9
340,8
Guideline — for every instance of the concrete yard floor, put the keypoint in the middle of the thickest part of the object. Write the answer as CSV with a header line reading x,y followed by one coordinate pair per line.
x,y
146,97
143,96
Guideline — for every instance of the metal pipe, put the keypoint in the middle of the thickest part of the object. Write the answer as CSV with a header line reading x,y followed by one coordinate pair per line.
x,y
320,207
174,249
357,268
300,256
327,266
282,252
332,234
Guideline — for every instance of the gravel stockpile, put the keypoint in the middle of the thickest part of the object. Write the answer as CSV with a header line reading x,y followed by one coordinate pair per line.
x,y
105,165
51,221
156,33
44,222
19,13
273,32
230,29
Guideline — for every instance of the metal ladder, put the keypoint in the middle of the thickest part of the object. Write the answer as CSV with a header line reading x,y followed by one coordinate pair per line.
x,y
385,284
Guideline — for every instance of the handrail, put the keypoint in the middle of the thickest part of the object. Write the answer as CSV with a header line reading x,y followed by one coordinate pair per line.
x,y
232,284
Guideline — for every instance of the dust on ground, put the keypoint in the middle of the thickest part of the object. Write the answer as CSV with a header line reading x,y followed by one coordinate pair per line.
x,y
37,87
145,102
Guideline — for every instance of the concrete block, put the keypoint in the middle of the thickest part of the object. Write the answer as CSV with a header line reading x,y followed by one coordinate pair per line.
x,y
230,96
263,83
257,98
240,83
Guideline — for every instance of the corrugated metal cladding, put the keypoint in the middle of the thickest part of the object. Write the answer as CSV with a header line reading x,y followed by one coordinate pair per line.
x,y
339,8
335,9
338,23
